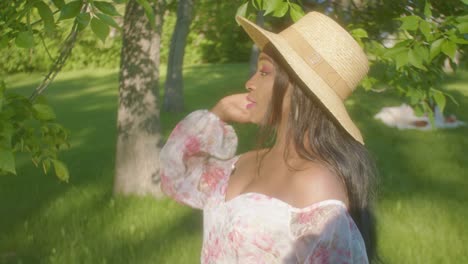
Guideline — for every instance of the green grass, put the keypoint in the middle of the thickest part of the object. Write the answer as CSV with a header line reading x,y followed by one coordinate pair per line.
x,y
421,207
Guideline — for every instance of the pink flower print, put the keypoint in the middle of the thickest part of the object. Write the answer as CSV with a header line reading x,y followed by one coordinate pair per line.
x,y
211,177
260,197
264,241
304,218
192,146
166,184
212,249
176,131
321,255
236,238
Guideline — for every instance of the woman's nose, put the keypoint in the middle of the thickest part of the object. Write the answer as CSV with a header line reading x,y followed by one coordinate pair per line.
x,y
249,86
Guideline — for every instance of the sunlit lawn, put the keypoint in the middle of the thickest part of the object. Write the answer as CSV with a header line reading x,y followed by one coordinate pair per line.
x,y
422,210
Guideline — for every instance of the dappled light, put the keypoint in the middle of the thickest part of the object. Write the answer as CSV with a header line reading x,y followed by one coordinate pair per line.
x,y
111,99
422,190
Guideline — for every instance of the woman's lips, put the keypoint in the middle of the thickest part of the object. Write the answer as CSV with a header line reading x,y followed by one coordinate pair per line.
x,y
251,103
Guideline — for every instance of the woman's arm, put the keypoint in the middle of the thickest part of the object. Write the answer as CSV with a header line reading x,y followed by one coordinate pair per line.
x,y
326,233
196,157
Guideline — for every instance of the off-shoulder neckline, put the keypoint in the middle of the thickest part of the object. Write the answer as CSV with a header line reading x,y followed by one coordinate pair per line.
x,y
276,200
283,203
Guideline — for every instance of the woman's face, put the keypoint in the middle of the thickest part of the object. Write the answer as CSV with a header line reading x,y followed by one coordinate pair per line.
x,y
260,87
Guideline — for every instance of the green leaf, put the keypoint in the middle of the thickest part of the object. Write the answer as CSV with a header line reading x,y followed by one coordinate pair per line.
x,y
7,161
108,20
368,82
359,33
404,43
418,111
106,8
428,110
425,28
272,5
465,2
61,170
449,48
6,135
83,20
71,9
258,4
392,52
427,9
43,112
46,165
436,47
439,98
295,11
415,95
47,16
459,40
25,40
415,60
401,59
410,22
453,99
463,28
149,12
281,10
59,3
422,52
242,10
100,28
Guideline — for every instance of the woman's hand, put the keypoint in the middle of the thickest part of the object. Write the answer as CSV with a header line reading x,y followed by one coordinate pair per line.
x,y
232,108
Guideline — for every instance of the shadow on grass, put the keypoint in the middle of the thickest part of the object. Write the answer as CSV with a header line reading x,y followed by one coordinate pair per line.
x,y
423,172
86,103
408,159
91,153
425,165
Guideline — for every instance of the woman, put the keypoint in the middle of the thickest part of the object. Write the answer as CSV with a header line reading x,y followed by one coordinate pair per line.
x,y
306,198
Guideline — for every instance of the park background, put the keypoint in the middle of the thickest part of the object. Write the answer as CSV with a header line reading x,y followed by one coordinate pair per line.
x,y
421,196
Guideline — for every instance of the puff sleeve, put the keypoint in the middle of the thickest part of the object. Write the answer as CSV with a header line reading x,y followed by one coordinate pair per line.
x,y
196,158
327,234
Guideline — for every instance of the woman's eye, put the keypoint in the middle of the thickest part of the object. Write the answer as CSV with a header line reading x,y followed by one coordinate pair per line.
x,y
262,73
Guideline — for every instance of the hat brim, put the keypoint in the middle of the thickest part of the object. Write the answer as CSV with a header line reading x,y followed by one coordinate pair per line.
x,y
312,80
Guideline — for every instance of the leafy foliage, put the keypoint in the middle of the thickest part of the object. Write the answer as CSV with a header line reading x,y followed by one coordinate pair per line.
x,y
208,40
414,64
425,37
275,8
28,125
30,128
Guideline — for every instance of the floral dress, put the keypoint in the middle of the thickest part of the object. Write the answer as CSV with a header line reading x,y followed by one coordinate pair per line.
x,y
196,163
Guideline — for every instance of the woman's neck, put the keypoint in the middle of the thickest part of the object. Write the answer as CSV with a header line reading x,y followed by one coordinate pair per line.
x,y
283,142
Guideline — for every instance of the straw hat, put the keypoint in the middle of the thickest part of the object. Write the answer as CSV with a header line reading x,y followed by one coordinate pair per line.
x,y
323,55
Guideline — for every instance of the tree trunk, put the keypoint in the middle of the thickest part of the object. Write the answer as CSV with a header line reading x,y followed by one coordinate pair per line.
x,y
138,125
255,51
174,88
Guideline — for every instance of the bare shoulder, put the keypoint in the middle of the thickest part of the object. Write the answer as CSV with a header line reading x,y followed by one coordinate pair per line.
x,y
314,184
244,167
249,158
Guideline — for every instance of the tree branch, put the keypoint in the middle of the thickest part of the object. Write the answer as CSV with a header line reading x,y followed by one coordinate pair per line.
x,y
60,61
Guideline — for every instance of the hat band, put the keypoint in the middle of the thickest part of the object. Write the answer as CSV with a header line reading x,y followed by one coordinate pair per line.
x,y
316,62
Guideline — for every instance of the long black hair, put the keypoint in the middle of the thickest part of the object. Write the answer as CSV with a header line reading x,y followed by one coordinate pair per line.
x,y
327,142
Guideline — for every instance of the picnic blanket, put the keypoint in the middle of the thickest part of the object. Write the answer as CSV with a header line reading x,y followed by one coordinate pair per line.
x,y
403,117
